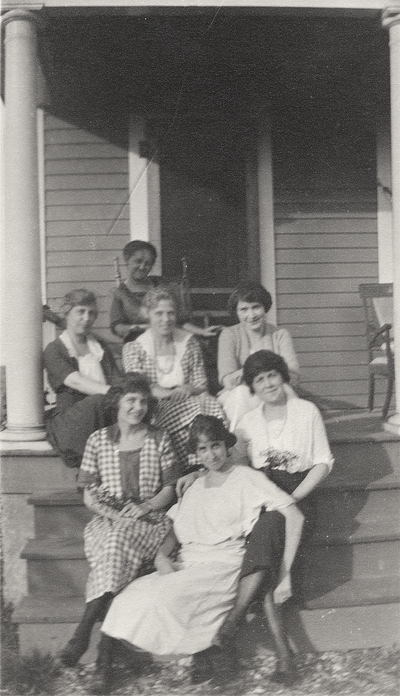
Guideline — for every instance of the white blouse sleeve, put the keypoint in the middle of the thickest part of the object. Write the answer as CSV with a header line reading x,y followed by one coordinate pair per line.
x,y
321,451
257,492
240,450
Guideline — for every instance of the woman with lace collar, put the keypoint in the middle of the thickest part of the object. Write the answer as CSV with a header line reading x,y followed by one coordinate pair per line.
x,y
80,368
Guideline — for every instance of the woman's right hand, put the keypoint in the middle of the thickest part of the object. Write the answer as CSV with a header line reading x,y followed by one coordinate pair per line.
x,y
233,380
184,482
164,565
283,590
180,393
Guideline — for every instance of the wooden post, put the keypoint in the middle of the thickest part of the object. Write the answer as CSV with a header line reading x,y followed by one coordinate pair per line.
x,y
391,21
144,188
23,322
266,216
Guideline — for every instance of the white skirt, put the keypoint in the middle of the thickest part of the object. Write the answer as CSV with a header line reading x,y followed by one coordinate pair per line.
x,y
179,613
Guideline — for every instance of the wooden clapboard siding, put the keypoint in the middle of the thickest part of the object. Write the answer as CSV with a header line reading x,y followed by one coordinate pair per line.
x,y
86,212
322,255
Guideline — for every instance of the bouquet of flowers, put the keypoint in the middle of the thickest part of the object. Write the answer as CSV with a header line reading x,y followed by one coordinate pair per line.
x,y
278,459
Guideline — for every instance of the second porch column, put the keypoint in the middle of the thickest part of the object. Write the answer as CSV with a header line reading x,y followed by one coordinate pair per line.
x,y
144,187
266,216
391,20
22,334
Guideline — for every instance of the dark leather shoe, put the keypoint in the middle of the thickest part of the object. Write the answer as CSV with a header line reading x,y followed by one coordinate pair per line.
x,y
224,664
73,651
201,669
101,681
286,677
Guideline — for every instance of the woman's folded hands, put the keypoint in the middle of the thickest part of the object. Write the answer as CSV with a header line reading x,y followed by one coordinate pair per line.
x,y
132,511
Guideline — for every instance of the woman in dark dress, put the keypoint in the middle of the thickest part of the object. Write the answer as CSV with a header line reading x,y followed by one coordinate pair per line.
x,y
126,317
80,368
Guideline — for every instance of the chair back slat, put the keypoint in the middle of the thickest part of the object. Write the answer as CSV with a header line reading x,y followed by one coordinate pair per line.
x,y
377,299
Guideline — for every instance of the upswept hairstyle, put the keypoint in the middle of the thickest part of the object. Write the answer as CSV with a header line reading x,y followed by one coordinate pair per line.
x,y
161,292
75,298
249,292
263,361
138,245
210,426
130,383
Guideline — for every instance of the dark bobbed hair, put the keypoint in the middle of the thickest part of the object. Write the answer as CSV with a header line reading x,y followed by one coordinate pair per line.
x,y
130,383
263,361
210,426
138,245
249,292
79,297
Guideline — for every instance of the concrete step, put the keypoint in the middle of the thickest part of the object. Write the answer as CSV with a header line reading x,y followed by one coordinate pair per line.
x,y
342,512
361,464
60,514
48,624
354,593
338,563
358,515
56,567
341,628
25,472
33,610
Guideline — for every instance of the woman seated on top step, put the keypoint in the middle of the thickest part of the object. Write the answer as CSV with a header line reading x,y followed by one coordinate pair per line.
x,y
250,303
126,317
80,368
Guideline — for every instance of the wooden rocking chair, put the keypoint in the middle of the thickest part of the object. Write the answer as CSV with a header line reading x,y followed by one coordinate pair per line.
x,y
377,299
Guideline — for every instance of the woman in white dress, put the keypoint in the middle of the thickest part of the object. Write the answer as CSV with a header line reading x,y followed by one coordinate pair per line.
x,y
250,303
284,437
179,608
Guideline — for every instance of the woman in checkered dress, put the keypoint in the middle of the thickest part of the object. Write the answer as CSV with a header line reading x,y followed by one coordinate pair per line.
x,y
172,360
128,472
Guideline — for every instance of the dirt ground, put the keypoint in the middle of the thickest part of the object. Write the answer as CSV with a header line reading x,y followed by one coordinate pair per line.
x,y
353,673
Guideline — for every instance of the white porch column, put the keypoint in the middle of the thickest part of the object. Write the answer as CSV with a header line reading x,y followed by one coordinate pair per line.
x,y
391,20
266,216
144,187
22,333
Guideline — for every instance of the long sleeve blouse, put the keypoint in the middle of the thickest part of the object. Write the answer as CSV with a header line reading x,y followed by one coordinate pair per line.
x,y
301,444
234,348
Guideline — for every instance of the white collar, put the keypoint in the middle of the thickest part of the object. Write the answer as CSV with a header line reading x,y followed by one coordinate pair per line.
x,y
180,338
94,346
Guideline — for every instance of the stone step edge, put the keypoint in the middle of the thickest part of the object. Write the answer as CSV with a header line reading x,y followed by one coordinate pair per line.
x,y
72,497
57,498
355,592
69,609
71,548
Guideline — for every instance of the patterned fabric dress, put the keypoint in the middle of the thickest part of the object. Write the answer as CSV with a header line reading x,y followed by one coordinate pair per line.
x,y
116,550
176,418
